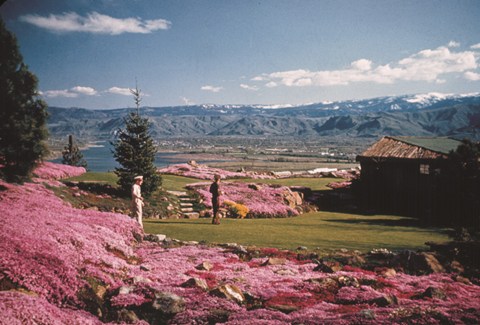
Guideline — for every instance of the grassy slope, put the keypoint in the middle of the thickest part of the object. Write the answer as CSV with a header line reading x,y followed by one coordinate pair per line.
x,y
322,230
325,230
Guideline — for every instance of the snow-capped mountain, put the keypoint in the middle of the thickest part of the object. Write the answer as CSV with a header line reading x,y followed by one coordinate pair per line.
x,y
432,114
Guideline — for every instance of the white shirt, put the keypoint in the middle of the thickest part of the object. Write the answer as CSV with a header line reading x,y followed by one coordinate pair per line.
x,y
136,193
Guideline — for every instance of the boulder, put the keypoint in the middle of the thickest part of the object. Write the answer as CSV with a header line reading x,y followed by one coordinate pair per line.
x,y
292,199
195,283
255,187
168,303
328,266
275,261
230,292
433,292
384,301
204,266
348,281
156,238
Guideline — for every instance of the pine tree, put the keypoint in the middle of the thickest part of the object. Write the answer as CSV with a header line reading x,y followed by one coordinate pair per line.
x,y
72,155
135,151
22,114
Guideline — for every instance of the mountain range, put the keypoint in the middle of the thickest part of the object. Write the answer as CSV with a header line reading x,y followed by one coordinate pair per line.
x,y
430,114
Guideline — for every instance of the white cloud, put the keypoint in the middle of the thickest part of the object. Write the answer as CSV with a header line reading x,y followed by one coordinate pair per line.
x,y
362,64
258,78
89,91
212,88
469,75
427,65
453,44
187,101
120,91
95,23
73,92
59,93
244,86
475,47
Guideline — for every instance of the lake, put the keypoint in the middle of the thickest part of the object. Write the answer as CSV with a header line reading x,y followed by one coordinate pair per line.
x,y
99,158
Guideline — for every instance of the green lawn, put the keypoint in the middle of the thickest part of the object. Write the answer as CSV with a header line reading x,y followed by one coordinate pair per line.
x,y
315,230
323,230
97,177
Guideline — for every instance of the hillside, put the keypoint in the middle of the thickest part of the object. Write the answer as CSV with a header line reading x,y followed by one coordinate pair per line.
x,y
416,115
61,265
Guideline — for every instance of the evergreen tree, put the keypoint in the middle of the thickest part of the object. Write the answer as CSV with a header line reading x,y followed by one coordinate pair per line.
x,y
463,183
135,151
22,114
72,155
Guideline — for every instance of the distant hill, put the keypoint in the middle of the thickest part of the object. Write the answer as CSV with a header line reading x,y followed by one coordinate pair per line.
x,y
415,115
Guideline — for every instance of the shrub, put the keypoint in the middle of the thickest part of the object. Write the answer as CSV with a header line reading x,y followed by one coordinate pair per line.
x,y
236,210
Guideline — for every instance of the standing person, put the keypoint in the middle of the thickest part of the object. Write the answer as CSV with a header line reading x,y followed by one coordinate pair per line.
x,y
137,199
215,190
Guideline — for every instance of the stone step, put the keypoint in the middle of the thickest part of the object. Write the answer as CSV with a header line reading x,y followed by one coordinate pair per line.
x,y
186,204
186,210
191,215
178,193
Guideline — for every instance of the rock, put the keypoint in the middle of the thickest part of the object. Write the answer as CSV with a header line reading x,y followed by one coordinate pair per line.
x,y
462,279
328,267
302,248
456,267
418,263
204,266
168,303
145,267
432,263
292,199
196,283
275,261
140,279
433,292
255,187
156,238
100,291
384,301
367,314
127,316
230,292
348,281
284,272
125,290
326,284
218,316
386,272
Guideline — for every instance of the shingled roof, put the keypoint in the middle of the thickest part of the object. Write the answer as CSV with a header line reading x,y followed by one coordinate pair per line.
x,y
411,148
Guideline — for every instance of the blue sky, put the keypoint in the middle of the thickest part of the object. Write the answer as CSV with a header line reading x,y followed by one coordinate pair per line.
x,y
88,53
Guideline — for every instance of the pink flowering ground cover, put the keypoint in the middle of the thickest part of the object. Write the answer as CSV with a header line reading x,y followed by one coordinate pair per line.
x,y
263,201
61,265
49,171
205,172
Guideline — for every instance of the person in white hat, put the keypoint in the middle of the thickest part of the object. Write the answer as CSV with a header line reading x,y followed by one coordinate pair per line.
x,y
137,199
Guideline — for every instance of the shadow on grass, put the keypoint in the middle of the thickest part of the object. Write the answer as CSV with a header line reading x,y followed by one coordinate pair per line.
x,y
403,222
97,188
157,222
344,200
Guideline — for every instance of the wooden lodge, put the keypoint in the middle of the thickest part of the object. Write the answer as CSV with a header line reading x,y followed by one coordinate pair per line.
x,y
402,175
